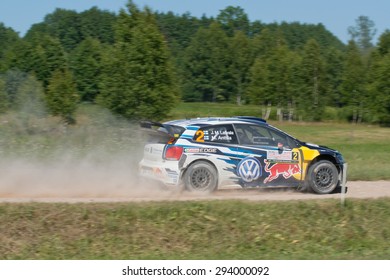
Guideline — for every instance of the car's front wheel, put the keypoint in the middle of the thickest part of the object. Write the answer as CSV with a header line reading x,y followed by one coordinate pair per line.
x,y
201,176
322,177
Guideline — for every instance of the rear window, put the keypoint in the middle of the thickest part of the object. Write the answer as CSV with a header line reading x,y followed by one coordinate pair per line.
x,y
175,131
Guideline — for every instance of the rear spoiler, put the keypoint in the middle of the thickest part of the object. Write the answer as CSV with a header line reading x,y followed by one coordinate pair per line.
x,y
150,125
158,131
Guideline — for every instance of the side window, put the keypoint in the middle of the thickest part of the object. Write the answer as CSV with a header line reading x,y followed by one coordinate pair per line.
x,y
283,139
216,134
249,134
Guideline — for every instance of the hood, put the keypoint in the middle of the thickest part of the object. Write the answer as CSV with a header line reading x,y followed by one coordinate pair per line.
x,y
321,149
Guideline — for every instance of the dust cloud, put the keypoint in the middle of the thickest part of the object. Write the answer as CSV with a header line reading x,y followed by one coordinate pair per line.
x,y
83,178
40,156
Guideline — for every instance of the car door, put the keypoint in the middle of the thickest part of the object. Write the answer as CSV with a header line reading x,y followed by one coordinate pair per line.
x,y
216,143
272,152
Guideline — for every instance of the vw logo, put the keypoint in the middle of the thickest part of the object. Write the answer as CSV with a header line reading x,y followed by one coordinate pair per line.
x,y
249,169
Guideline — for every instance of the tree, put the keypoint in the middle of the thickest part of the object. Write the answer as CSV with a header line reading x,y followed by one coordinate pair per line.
x,y
297,34
86,64
61,95
265,42
137,79
178,30
273,79
4,104
384,43
71,28
354,81
9,41
242,60
205,62
233,19
379,81
29,97
13,79
41,54
334,65
311,100
65,26
363,33
21,92
97,24
258,76
380,88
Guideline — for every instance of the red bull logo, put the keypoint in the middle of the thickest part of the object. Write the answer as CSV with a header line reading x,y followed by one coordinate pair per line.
x,y
285,169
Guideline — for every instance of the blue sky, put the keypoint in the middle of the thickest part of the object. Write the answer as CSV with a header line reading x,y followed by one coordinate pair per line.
x,y
335,15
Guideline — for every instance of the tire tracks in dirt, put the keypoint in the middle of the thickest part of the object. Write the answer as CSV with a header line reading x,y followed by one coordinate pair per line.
x,y
356,189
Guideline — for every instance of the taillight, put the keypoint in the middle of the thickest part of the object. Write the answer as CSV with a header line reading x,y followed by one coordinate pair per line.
x,y
173,152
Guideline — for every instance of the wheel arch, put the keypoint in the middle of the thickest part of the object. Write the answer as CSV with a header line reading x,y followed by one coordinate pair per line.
x,y
201,160
323,157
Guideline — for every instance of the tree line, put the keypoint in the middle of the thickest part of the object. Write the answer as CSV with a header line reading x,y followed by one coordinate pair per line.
x,y
139,63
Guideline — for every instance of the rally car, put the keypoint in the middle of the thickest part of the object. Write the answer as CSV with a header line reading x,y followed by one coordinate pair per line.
x,y
203,154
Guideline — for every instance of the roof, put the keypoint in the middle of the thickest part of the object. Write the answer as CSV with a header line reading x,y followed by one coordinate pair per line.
x,y
216,120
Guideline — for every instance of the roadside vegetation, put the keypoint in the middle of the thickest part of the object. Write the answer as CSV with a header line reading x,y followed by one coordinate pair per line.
x,y
197,230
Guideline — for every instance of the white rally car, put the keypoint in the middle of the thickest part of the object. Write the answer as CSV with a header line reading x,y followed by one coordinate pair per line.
x,y
205,153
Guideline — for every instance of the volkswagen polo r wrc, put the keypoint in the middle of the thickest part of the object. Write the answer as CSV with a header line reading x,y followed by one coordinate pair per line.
x,y
204,154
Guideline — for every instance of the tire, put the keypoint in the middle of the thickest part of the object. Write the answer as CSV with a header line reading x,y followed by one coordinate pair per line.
x,y
322,177
201,176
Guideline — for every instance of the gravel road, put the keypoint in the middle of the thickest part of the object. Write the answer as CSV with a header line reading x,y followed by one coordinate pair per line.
x,y
356,189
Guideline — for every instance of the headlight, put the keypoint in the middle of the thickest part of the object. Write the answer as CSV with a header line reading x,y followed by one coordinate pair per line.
x,y
340,158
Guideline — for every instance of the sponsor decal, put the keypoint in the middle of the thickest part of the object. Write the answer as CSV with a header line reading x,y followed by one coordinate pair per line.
x,y
200,150
285,169
276,155
173,175
221,135
146,170
158,172
214,135
152,150
191,150
284,156
199,136
249,169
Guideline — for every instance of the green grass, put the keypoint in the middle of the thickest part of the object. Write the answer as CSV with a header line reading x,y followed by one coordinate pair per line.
x,y
197,230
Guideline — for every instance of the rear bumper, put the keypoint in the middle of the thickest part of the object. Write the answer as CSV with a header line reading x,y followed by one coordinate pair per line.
x,y
166,172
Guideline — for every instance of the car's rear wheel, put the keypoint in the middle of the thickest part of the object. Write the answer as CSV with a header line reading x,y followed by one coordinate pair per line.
x,y
201,176
322,177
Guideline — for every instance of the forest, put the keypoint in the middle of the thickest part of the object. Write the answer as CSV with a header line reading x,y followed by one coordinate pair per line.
x,y
140,64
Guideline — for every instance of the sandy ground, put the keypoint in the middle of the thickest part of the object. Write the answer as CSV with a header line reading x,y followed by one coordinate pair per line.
x,y
356,189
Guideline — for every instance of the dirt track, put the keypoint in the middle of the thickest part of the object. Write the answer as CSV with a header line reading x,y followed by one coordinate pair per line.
x,y
356,189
